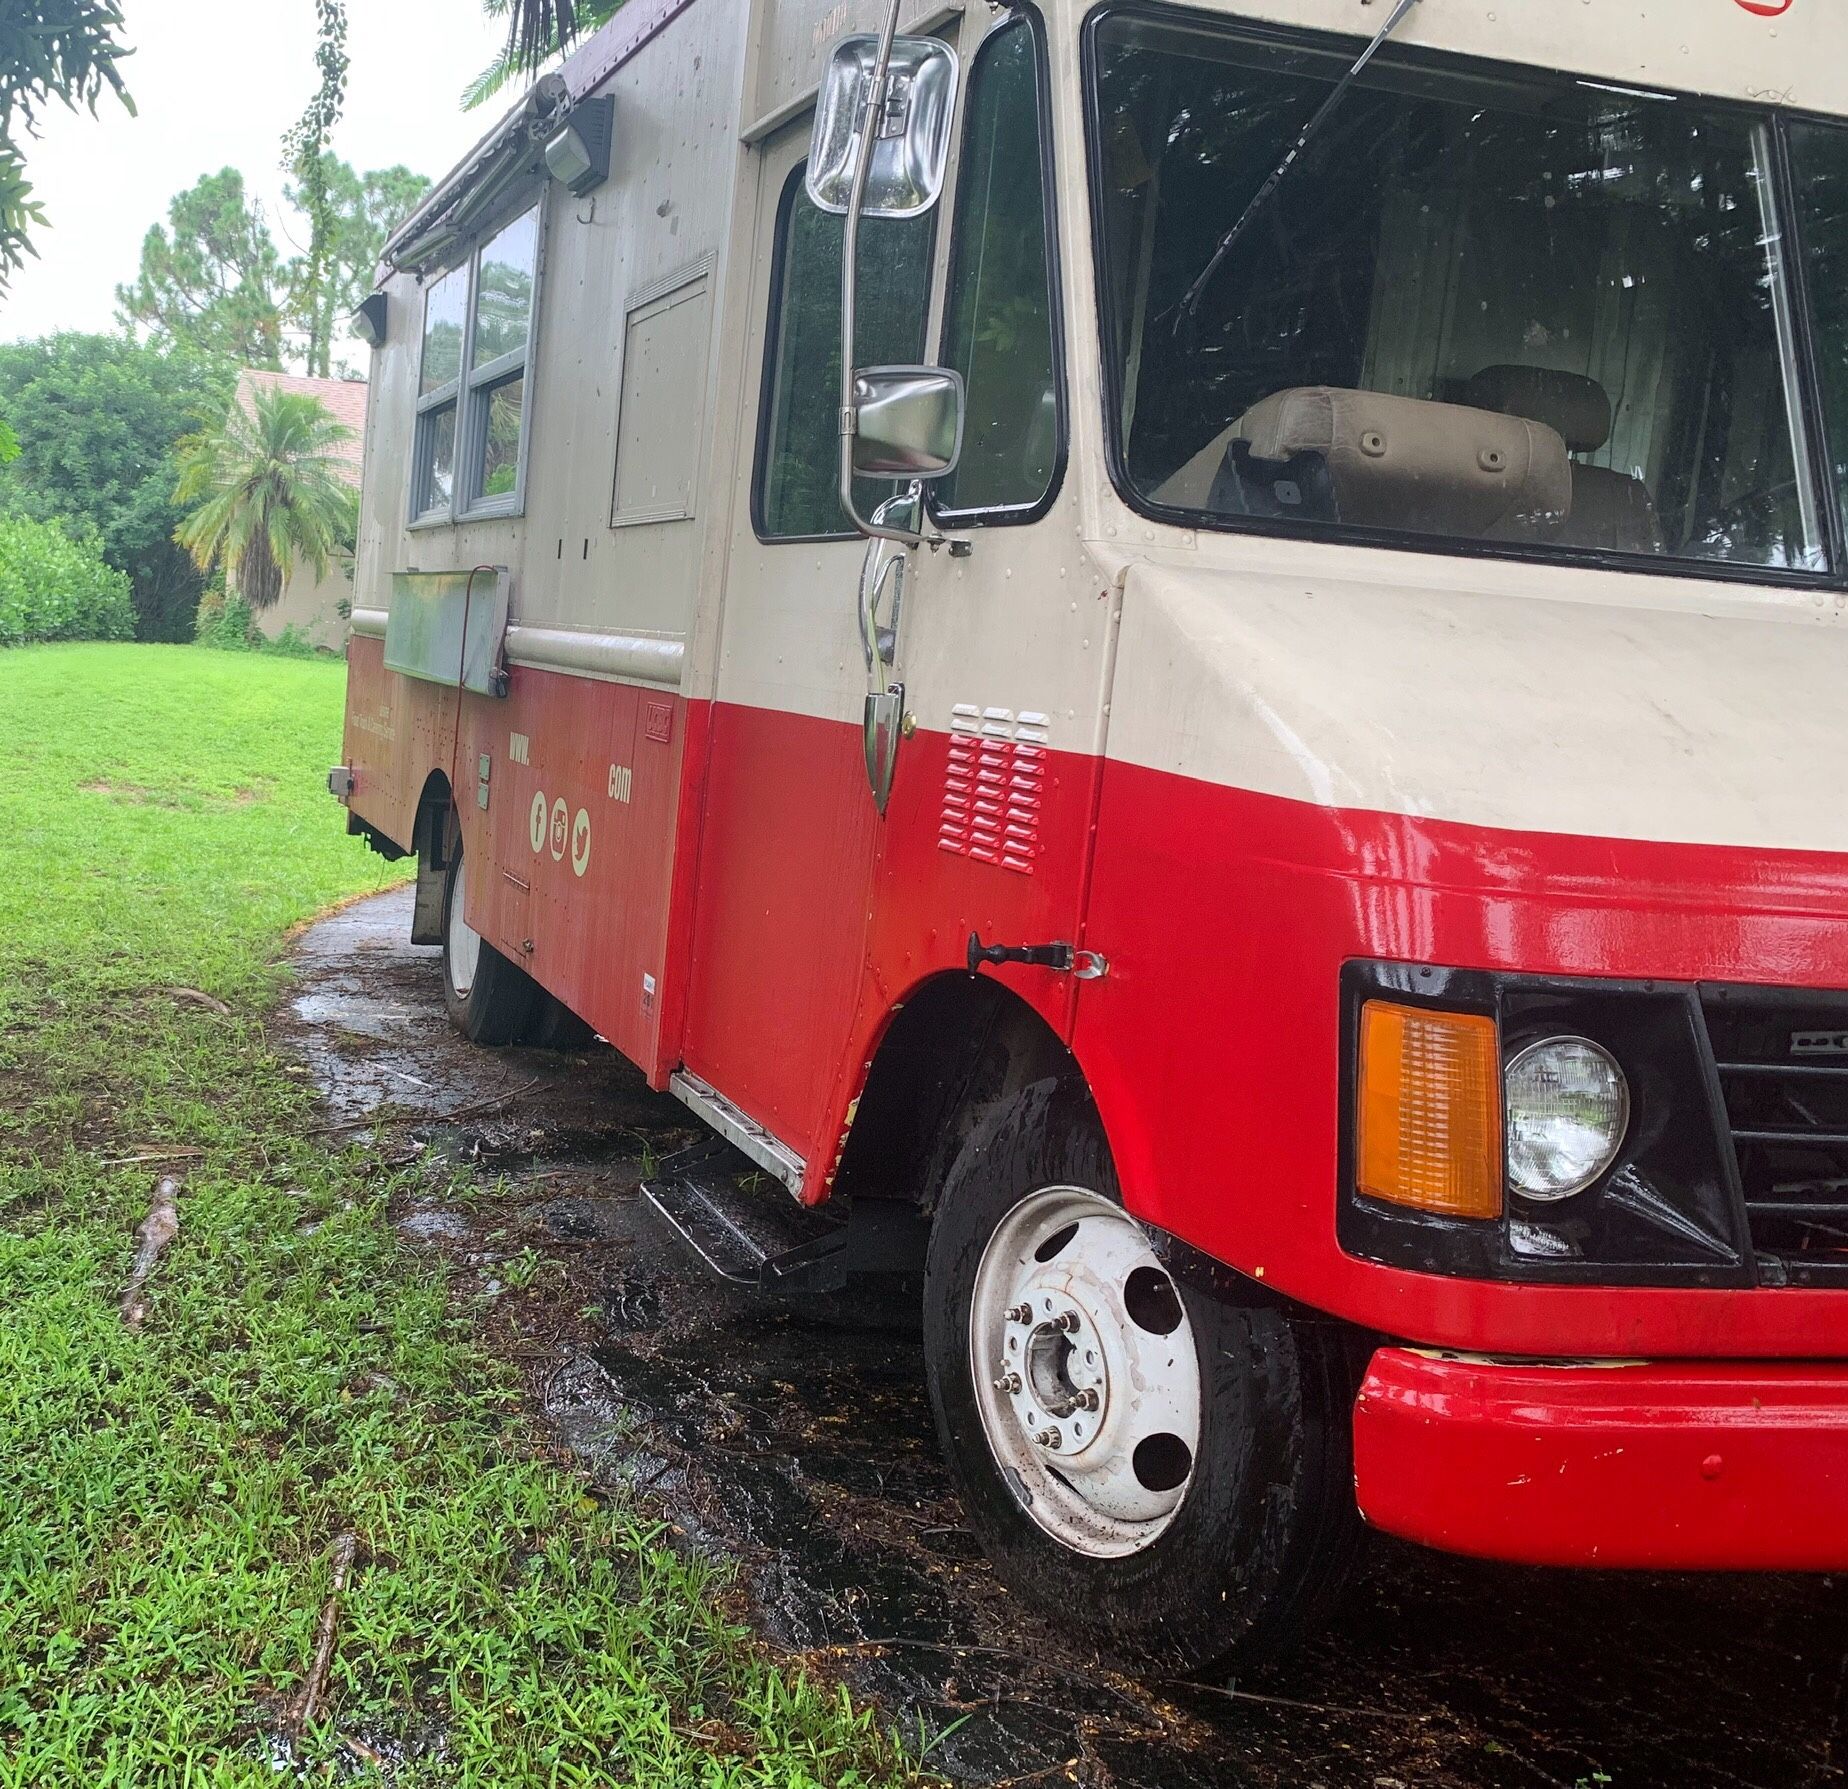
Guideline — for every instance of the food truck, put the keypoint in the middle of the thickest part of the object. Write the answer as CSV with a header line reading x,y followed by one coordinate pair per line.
x,y
1239,787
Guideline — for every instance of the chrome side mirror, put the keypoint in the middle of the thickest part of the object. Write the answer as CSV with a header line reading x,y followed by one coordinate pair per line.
x,y
908,421
911,121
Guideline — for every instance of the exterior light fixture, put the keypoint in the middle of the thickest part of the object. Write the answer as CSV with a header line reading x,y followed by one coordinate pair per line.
x,y
579,154
1568,1108
369,321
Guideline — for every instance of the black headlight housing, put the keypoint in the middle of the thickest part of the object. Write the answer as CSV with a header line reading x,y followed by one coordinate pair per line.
x,y
1668,1211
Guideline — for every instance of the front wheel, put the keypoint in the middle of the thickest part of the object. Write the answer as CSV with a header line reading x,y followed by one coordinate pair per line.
x,y
491,999
1163,1475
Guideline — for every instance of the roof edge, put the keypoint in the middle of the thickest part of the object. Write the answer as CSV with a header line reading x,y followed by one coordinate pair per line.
x,y
516,143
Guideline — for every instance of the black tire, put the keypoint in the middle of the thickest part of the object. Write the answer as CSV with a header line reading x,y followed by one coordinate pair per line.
x,y
559,1028
1265,1535
502,1003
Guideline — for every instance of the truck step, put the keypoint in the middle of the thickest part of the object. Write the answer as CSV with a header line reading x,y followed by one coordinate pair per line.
x,y
741,1224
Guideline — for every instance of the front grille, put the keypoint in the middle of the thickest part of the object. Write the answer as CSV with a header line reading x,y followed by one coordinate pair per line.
x,y
1783,1067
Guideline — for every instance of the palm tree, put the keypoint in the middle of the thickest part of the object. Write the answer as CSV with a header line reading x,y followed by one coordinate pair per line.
x,y
537,30
266,490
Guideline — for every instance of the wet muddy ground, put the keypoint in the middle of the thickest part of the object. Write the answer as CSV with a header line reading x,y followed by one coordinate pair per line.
x,y
803,1450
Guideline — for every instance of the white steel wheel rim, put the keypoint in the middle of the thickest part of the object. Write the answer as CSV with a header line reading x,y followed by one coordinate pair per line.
x,y
464,953
1086,1372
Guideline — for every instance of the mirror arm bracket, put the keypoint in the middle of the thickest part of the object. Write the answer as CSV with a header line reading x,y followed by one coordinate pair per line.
x,y
850,259
872,118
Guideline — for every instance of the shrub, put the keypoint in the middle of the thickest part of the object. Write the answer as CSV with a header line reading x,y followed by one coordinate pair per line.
x,y
56,588
291,643
225,622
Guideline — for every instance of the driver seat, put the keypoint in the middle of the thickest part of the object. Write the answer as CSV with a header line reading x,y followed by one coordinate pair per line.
x,y
1611,511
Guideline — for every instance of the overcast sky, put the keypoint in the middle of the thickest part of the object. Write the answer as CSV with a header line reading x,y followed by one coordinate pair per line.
x,y
216,82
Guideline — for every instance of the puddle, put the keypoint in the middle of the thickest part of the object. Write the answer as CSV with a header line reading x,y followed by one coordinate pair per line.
x,y
805,1452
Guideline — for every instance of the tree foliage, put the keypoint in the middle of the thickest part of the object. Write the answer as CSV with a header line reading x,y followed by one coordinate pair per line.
x,y
65,50
305,154
538,30
98,418
264,490
56,588
211,277
365,209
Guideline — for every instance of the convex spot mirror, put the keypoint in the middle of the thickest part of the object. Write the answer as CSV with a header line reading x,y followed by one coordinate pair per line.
x,y
911,126
908,421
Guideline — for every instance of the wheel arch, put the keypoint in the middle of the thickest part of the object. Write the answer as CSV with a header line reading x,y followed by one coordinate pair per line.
x,y
955,1046
431,838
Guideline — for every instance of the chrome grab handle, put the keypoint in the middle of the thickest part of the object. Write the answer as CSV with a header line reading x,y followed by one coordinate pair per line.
x,y
879,645
884,563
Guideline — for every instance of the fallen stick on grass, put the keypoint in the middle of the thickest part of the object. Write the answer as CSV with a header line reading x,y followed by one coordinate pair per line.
x,y
196,997
155,1231
302,1711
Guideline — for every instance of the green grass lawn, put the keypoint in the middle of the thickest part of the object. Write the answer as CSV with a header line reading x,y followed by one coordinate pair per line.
x,y
169,1496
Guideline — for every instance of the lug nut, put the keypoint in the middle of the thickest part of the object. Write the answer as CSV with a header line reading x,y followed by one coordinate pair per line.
x,y
1068,1321
1019,1313
1008,1382
1087,1399
1049,1438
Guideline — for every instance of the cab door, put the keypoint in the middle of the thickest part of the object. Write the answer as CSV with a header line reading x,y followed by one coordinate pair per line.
x,y
789,834
1003,646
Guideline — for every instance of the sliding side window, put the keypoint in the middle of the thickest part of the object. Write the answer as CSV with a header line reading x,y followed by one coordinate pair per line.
x,y
497,383
999,321
433,469
798,453
473,388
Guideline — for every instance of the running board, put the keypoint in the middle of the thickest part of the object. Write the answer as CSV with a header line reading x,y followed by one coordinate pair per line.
x,y
736,1128
704,1194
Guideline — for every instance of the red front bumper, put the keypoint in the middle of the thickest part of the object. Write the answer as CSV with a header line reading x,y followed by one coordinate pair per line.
x,y
1679,1466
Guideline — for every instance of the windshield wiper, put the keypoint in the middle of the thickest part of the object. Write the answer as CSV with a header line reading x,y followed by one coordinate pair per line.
x,y
1190,303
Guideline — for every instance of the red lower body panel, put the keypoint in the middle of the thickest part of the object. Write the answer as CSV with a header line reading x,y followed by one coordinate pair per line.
x,y
1213,1046
1683,1467
772,962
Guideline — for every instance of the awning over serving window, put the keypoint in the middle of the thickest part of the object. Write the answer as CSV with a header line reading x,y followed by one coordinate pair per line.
x,y
510,153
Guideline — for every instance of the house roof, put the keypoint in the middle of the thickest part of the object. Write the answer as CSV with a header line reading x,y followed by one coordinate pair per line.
x,y
346,398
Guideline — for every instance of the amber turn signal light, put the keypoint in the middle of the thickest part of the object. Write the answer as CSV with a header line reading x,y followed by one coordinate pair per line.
x,y
1428,1113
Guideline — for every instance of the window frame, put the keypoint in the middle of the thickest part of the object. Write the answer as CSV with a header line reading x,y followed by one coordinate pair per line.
x,y
447,396
1015,514
471,391
1808,428
793,187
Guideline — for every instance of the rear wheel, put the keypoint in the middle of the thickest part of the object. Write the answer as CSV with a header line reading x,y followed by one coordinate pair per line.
x,y
559,1028
1164,1475
491,999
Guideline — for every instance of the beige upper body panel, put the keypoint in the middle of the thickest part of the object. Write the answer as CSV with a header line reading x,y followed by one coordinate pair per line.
x,y
1606,704
720,86
1504,692
1797,58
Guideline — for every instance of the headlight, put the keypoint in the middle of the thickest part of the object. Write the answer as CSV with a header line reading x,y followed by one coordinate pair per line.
x,y
1567,1108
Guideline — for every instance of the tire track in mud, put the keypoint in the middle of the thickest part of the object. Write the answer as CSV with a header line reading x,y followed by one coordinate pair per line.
x,y
798,1443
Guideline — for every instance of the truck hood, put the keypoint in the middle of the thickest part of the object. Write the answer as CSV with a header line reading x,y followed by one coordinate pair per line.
x,y
1686,712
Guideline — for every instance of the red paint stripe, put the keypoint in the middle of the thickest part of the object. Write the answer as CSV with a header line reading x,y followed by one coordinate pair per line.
x,y
1212,1046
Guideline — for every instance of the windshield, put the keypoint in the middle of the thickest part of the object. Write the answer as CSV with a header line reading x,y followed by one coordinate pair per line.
x,y
1513,309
